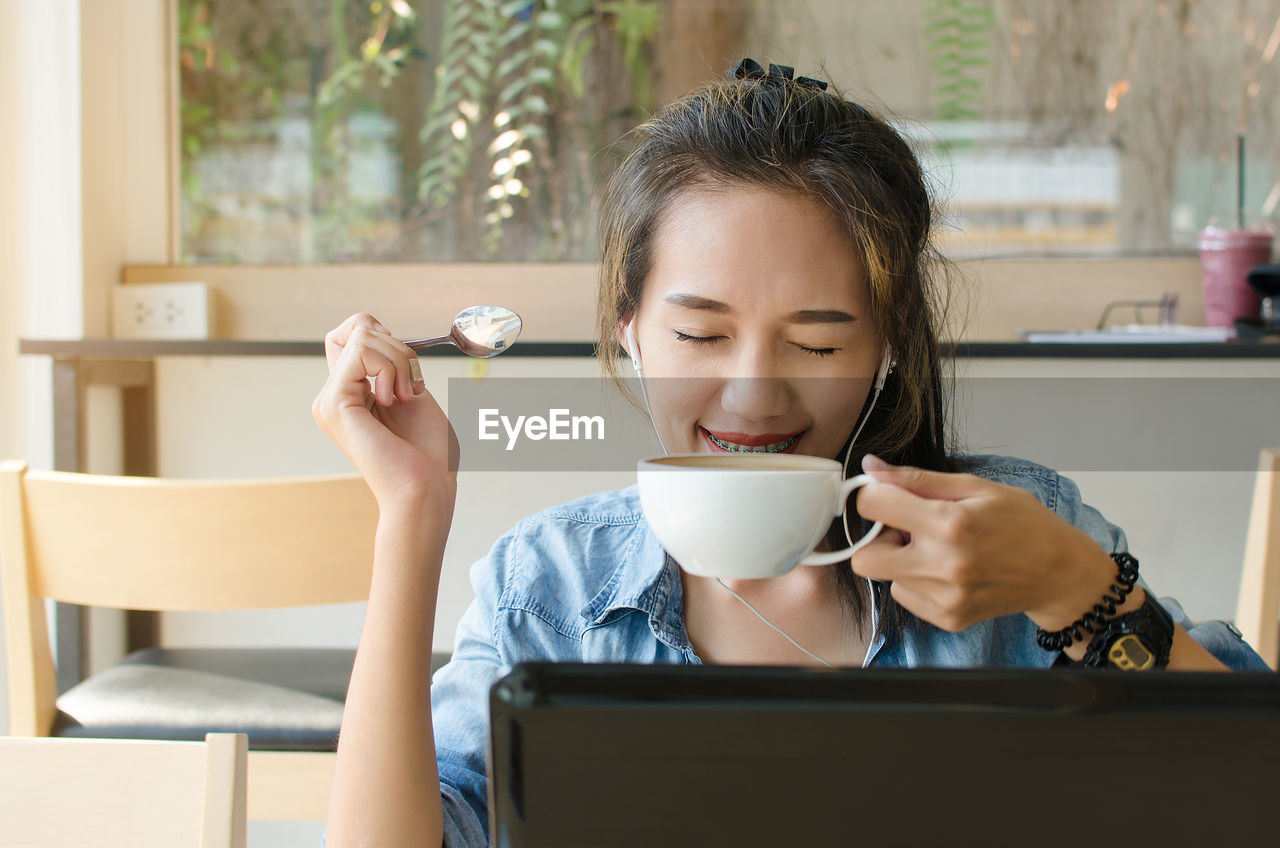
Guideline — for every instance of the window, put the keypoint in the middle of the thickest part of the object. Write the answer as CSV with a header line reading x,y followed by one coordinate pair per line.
x,y
345,130
464,130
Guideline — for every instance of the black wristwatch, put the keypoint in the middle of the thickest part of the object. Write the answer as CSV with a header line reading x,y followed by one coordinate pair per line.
x,y
1137,641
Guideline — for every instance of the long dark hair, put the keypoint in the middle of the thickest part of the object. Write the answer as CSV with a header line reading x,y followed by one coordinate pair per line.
x,y
777,134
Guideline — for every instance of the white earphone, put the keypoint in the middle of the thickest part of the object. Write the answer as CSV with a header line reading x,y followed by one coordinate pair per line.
x,y
633,349
887,364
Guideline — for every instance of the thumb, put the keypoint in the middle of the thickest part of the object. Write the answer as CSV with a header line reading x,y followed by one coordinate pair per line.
x,y
936,485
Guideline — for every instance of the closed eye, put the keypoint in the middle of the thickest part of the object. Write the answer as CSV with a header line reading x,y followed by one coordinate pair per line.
x,y
685,337
819,352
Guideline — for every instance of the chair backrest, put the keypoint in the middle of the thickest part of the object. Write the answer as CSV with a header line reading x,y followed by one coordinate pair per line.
x,y
155,544
1258,609
116,793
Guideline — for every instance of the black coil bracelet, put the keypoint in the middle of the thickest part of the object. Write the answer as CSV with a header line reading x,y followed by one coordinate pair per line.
x,y
1093,620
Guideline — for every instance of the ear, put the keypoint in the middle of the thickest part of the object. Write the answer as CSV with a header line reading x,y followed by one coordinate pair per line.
x,y
621,331
627,338
626,333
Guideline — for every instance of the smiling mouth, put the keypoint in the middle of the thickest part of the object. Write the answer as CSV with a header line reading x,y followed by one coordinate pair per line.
x,y
734,447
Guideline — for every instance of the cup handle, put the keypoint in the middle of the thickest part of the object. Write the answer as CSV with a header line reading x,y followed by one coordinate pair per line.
x,y
829,557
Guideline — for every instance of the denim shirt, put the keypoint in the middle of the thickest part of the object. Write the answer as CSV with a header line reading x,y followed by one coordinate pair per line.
x,y
588,582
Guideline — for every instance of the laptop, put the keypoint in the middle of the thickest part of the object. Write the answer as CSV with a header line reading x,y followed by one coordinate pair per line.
x,y
632,755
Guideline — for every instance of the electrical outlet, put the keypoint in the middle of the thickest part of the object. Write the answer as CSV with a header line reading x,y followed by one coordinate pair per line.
x,y
161,311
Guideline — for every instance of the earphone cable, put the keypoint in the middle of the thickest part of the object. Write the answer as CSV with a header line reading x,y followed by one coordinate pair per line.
x,y
874,397
644,395
774,626
844,519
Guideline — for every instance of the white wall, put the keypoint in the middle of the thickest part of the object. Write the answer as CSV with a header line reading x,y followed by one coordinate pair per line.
x,y
40,272
1185,521
39,209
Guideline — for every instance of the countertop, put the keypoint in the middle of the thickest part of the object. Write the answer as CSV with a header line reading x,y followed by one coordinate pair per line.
x,y
138,349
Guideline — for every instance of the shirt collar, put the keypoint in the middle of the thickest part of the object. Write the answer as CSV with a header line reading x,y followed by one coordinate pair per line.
x,y
648,580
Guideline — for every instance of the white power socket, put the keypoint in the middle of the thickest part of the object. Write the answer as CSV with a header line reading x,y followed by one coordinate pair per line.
x,y
161,311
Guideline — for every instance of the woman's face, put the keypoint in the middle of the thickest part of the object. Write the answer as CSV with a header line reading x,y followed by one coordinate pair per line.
x,y
755,328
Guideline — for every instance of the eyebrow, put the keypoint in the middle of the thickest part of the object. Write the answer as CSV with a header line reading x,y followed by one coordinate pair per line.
x,y
804,316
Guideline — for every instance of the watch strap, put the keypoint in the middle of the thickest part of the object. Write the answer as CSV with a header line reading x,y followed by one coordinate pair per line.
x,y
1140,640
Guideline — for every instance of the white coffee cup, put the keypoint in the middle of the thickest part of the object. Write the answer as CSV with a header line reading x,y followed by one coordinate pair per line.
x,y
746,516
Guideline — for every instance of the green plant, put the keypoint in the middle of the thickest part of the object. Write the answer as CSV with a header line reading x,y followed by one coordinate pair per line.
x,y
386,48
636,24
506,67
494,86
198,53
498,133
958,40
224,86
466,63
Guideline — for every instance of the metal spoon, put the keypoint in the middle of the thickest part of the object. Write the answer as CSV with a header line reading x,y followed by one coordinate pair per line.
x,y
480,331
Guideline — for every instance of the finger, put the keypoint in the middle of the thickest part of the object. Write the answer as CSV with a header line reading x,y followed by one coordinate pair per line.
x,y
336,339
402,381
927,484
355,365
347,386
918,603
384,387
896,507
415,367
398,382
407,381
883,559
890,538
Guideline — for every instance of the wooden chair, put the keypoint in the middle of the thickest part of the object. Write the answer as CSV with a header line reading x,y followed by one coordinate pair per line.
x,y
1258,609
123,793
152,544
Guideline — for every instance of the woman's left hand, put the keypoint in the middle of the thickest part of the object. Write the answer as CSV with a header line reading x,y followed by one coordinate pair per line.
x,y
969,549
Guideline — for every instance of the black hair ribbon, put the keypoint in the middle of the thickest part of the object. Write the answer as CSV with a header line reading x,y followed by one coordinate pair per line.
x,y
750,69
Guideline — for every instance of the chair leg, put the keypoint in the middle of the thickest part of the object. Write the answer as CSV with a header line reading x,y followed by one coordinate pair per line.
x,y
1259,602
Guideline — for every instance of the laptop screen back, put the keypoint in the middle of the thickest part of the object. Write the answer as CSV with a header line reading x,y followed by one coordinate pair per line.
x,y
604,755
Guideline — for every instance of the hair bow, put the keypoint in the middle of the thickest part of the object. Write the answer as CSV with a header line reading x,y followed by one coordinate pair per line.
x,y
750,69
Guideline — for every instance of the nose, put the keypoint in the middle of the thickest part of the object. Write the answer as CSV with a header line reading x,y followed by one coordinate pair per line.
x,y
755,390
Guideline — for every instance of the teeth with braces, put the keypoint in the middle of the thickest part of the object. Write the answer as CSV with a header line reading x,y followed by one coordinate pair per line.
x,y
776,447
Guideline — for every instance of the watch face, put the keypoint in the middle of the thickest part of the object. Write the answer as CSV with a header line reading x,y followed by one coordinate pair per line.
x,y
1130,654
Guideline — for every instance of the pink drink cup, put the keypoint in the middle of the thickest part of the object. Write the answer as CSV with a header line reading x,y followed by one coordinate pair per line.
x,y
1226,257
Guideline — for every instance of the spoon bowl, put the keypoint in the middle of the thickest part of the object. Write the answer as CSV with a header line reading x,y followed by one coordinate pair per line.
x,y
479,331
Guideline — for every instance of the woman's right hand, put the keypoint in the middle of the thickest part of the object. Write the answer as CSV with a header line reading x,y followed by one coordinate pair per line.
x,y
393,431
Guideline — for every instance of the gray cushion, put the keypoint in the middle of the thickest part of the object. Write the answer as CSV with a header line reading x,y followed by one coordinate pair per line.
x,y
283,698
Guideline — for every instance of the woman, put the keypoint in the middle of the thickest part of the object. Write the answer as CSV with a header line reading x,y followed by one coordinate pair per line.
x,y
767,243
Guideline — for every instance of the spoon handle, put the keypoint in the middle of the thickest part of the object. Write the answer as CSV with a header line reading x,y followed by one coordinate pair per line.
x,y
419,344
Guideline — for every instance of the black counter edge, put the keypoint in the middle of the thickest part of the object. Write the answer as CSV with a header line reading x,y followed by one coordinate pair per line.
x,y
135,349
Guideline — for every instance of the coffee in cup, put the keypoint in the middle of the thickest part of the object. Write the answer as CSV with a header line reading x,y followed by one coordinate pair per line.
x,y
746,516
